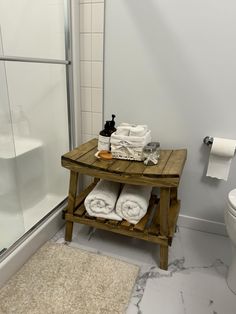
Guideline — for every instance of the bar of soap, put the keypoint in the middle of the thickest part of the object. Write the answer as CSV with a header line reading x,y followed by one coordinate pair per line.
x,y
105,155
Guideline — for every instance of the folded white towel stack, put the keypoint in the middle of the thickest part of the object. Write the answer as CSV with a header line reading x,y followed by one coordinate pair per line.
x,y
102,200
131,130
138,130
133,202
123,130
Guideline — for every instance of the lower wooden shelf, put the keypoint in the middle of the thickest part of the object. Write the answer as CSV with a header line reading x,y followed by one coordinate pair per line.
x,y
147,229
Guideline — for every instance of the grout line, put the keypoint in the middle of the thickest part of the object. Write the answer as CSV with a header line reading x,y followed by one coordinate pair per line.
x,y
91,63
103,57
90,2
91,33
87,60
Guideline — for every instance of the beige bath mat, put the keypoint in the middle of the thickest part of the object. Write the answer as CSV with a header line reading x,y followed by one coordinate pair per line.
x,y
60,279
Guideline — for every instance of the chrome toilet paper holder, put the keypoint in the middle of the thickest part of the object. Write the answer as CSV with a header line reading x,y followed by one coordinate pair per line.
x,y
208,140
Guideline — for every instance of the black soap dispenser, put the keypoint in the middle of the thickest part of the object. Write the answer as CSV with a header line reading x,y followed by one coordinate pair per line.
x,y
112,124
105,134
104,137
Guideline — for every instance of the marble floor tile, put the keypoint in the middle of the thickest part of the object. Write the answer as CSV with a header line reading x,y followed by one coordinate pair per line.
x,y
194,283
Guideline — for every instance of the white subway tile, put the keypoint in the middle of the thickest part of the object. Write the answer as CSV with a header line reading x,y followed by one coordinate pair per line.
x,y
86,137
89,1
97,74
86,73
85,17
97,17
96,122
97,95
85,46
97,47
86,122
86,98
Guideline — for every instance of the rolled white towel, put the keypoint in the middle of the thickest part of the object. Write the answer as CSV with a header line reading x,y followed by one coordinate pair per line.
x,y
133,202
101,201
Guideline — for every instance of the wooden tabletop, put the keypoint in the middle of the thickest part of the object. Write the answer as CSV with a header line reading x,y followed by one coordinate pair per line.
x,y
166,173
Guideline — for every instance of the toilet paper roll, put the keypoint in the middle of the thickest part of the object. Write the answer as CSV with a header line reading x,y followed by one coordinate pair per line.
x,y
221,154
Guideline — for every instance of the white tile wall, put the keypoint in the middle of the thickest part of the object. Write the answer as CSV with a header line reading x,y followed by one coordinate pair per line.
x,y
86,122
86,73
96,122
86,98
86,18
97,47
86,47
97,99
97,17
91,66
97,74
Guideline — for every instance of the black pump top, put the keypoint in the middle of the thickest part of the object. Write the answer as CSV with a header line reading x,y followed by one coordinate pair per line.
x,y
107,125
112,124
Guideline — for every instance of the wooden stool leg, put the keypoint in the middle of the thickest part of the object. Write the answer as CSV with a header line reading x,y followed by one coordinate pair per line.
x,y
164,257
164,228
71,203
68,231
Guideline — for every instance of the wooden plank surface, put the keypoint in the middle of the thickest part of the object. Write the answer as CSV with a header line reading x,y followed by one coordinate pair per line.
x,y
125,224
154,227
166,181
156,170
103,164
101,219
80,211
171,163
81,197
173,217
88,159
113,222
119,166
164,210
72,191
176,162
135,167
117,229
81,150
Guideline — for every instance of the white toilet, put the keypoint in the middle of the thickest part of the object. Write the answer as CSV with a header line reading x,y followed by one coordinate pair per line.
x,y
230,222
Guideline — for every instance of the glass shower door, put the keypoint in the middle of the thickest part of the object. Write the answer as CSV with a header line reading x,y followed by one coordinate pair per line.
x,y
11,215
37,67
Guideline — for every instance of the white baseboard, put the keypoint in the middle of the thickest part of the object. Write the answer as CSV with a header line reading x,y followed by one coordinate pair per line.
x,y
12,263
202,225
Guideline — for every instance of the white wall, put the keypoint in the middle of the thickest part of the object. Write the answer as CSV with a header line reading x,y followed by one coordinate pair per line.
x,y
171,64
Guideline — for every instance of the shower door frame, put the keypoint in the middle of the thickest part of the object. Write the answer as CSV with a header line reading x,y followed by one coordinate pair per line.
x,y
69,68
70,109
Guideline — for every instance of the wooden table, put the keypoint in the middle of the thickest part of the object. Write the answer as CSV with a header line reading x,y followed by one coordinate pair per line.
x,y
158,225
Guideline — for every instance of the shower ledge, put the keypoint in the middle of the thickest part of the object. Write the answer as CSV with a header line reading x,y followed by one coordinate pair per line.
x,y
20,146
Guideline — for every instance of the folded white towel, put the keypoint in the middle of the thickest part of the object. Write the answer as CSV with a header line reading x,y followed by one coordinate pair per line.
x,y
132,141
123,130
139,130
102,199
133,202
